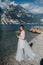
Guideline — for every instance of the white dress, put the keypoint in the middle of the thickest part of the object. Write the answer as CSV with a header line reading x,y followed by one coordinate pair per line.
x,y
23,44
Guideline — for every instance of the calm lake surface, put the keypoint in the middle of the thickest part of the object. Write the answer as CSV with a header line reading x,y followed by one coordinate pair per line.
x,y
8,39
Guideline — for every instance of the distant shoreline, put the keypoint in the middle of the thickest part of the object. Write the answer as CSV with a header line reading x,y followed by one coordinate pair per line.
x,y
36,29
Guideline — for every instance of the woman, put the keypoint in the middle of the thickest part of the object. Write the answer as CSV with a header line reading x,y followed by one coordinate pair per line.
x,y
23,51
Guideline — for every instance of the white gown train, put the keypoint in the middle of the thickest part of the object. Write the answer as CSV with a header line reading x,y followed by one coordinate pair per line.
x,y
23,44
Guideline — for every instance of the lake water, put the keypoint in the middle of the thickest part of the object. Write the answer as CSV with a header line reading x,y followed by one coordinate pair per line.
x,y
8,39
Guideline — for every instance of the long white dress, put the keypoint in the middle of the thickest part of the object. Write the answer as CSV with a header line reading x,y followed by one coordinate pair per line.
x,y
23,44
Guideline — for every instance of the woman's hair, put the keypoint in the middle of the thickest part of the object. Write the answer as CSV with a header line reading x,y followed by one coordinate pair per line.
x,y
22,26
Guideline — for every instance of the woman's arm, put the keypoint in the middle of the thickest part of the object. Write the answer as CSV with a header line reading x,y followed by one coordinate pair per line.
x,y
22,35
18,33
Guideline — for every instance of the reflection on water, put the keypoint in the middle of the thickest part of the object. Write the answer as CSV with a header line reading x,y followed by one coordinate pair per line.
x,y
8,39
8,43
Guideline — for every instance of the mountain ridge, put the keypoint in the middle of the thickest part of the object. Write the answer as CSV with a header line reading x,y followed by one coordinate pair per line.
x,y
17,14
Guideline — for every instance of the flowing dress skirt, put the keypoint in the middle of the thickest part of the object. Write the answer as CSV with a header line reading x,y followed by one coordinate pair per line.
x,y
29,54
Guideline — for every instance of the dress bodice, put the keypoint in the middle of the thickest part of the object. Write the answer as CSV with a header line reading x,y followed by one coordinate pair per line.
x,y
22,35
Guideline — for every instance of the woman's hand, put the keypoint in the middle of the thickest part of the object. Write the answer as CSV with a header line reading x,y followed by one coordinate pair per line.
x,y
17,36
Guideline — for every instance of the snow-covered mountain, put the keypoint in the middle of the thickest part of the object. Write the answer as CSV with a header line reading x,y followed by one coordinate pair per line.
x,y
15,14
